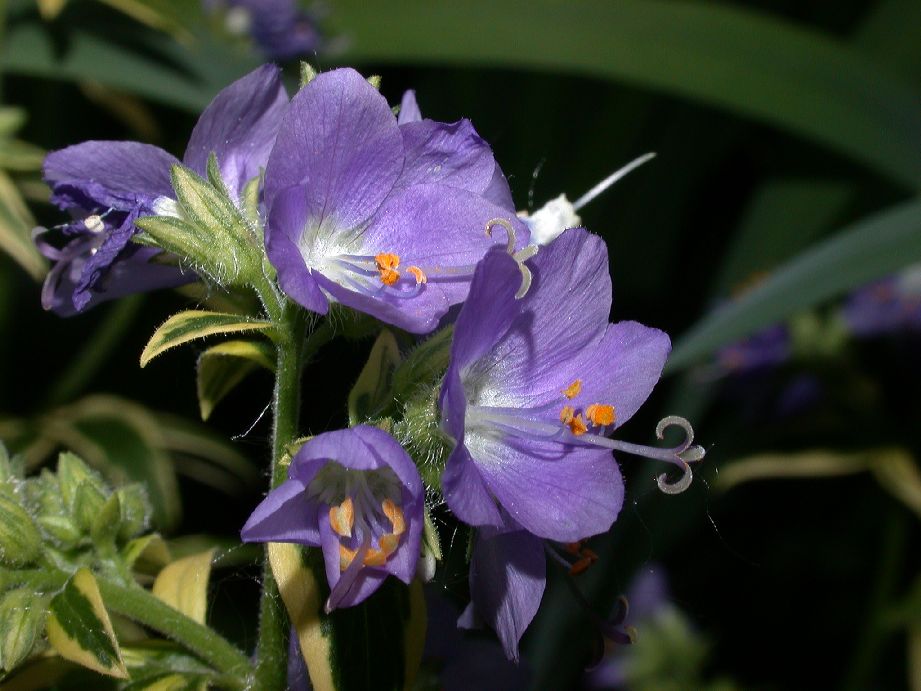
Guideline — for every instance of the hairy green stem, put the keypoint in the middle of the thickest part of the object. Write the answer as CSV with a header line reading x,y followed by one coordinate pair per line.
x,y
272,647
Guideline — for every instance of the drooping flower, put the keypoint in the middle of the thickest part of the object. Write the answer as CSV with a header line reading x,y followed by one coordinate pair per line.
x,y
386,218
886,306
357,495
280,28
533,388
107,185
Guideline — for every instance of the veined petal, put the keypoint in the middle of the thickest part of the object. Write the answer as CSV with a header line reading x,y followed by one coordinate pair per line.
x,y
507,579
97,175
556,491
449,154
285,515
466,493
340,140
240,126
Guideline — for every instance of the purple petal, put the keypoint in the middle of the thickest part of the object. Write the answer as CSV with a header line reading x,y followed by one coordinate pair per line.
x,y
555,491
507,578
98,175
285,515
367,581
287,220
389,452
409,109
498,191
340,140
240,125
623,368
450,154
465,491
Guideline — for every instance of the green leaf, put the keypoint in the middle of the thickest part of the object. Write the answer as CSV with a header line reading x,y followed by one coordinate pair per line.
x,y
222,367
385,633
18,155
183,585
193,324
897,471
423,364
815,463
51,8
172,16
16,223
149,552
865,250
22,618
80,630
11,120
783,74
371,395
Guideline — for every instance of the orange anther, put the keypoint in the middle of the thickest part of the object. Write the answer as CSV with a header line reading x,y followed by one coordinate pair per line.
x,y
580,566
389,544
566,414
346,556
387,264
375,557
589,554
395,514
600,414
577,425
573,547
418,273
342,518
573,389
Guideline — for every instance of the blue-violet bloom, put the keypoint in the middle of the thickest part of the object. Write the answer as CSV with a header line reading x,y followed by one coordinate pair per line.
x,y
387,218
357,495
533,388
107,185
280,28
886,306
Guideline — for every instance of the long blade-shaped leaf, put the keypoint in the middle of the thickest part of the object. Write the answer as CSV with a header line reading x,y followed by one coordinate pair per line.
x,y
868,249
192,324
789,76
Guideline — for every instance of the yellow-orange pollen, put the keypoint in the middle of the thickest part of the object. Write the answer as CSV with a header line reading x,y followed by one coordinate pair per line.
x,y
573,389
418,273
600,415
387,543
586,557
387,265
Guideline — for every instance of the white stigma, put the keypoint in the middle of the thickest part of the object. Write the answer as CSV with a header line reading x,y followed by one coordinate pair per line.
x,y
94,223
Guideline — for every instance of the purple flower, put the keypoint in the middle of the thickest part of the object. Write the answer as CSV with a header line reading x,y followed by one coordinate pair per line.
x,y
280,28
533,388
107,185
383,217
886,306
764,349
356,494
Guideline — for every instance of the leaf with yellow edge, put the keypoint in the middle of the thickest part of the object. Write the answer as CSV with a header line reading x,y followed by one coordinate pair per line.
x,y
897,471
371,393
79,628
193,324
385,633
16,223
50,9
148,551
806,464
222,367
183,585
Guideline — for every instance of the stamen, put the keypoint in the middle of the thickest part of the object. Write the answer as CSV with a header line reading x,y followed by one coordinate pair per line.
x,y
375,557
94,223
567,414
573,389
419,274
509,229
610,180
600,415
342,517
389,543
395,514
387,264
580,566
577,425
346,556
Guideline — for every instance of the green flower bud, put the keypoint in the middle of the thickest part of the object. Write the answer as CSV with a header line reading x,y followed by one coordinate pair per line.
x,y
87,505
20,540
107,521
22,617
135,510
72,473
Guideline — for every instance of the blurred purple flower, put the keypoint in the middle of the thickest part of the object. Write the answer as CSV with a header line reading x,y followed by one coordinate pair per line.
x,y
107,185
357,495
533,388
890,305
383,217
280,28
767,348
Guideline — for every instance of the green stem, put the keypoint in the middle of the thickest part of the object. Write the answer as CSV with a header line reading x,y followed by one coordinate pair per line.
x,y
272,647
143,607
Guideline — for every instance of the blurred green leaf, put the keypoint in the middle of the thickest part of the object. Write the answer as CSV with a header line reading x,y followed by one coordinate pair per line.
x,y
371,394
173,16
865,250
19,155
193,324
50,8
183,584
806,464
897,471
80,630
16,223
222,367
786,75
22,614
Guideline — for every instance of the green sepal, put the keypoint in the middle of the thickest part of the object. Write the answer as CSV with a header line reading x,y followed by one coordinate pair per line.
x,y
79,628
179,237
20,541
22,618
371,395
88,504
134,510
307,73
193,324
107,523
424,364
72,474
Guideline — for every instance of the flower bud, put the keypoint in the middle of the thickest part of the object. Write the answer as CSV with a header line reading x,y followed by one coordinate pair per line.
x,y
87,506
135,510
22,616
107,521
72,473
20,541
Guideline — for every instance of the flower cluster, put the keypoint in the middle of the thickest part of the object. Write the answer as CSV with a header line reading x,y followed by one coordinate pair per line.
x,y
402,218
